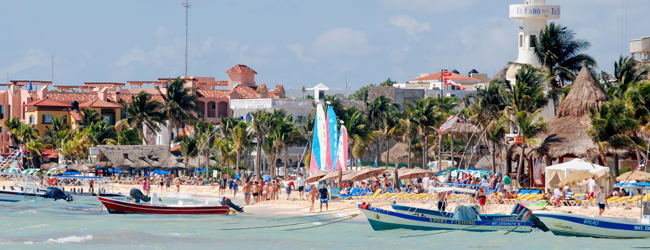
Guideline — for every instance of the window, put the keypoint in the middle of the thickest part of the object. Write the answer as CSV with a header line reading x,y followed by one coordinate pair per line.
x,y
31,120
9,114
109,119
2,111
521,40
214,105
533,41
65,119
47,119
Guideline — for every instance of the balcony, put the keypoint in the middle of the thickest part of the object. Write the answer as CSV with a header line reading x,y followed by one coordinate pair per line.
x,y
270,103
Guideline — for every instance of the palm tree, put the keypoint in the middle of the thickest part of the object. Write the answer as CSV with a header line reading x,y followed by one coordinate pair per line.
x,y
142,111
241,138
359,132
529,125
408,129
627,73
376,110
88,117
34,148
560,54
101,133
285,134
613,127
495,134
336,102
189,147
225,149
179,103
260,129
127,135
13,128
389,127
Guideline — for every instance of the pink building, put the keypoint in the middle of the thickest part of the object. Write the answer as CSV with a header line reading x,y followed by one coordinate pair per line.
x,y
214,96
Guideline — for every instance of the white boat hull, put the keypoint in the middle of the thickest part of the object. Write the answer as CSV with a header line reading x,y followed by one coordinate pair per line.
x,y
566,224
386,220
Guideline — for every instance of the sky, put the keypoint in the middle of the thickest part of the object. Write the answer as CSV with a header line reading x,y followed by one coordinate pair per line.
x,y
294,43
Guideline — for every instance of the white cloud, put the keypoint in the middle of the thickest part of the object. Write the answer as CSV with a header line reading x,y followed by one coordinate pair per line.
x,y
30,59
341,42
429,6
299,50
411,26
265,50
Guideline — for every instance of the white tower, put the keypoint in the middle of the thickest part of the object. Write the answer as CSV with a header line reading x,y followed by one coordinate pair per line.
x,y
534,15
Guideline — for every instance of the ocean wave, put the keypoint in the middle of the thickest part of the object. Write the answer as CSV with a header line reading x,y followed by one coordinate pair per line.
x,y
70,239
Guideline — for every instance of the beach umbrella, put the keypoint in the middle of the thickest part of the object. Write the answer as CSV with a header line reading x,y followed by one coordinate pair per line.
x,y
335,174
415,173
316,176
576,177
634,175
48,166
366,173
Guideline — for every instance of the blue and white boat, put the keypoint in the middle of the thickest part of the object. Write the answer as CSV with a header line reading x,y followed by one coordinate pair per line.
x,y
381,219
568,224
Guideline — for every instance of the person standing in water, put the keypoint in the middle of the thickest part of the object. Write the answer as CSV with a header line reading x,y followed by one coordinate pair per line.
x,y
600,199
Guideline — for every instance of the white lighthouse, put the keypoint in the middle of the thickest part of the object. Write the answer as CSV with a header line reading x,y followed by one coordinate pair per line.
x,y
534,15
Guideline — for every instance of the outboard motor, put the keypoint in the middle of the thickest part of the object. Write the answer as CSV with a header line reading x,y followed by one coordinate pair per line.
x,y
137,195
227,202
56,193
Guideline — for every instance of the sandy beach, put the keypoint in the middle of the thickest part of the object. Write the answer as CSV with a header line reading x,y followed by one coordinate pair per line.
x,y
296,205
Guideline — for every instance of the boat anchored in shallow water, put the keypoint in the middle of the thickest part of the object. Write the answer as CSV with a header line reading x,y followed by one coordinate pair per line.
x,y
568,224
381,219
155,206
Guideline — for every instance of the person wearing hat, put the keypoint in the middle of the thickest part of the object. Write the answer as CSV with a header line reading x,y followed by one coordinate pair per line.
x,y
600,199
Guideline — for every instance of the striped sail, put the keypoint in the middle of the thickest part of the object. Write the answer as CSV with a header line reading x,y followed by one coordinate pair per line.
x,y
333,137
322,135
315,150
343,149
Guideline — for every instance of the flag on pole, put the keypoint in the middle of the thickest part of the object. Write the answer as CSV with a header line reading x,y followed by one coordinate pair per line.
x,y
452,83
451,123
30,86
640,166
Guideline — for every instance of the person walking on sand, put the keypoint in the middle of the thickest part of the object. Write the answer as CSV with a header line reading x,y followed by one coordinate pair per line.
x,y
247,192
301,185
324,198
600,199
312,196
145,186
168,183
178,185
592,188
290,186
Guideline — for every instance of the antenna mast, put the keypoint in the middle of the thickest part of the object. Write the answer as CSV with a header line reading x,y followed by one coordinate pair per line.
x,y
187,7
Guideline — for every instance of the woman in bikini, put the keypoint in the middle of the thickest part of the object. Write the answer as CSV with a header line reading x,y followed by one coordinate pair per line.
x,y
265,192
312,195
482,199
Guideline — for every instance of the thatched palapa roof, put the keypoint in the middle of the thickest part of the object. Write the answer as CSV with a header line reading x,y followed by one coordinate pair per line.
x,y
141,156
566,132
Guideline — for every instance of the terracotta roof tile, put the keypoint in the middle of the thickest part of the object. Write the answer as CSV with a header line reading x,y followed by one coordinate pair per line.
x,y
129,97
262,87
453,77
75,115
223,94
278,92
68,97
245,92
48,103
99,104
241,69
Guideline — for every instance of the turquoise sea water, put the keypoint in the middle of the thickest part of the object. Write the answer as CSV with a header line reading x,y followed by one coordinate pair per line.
x,y
57,225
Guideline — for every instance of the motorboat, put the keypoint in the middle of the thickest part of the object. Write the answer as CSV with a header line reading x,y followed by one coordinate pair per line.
x,y
142,204
568,224
381,219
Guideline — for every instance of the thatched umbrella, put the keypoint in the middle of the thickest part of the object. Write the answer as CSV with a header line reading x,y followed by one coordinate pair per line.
x,y
634,175
366,173
576,177
335,174
316,176
48,166
416,173
566,132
